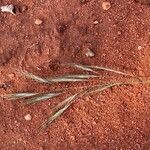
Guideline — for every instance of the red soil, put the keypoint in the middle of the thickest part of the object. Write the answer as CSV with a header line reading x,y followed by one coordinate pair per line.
x,y
116,119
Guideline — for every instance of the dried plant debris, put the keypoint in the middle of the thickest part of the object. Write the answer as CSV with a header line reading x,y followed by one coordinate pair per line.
x,y
8,8
82,67
71,78
61,107
42,97
144,2
32,98
16,96
65,78
90,68
33,77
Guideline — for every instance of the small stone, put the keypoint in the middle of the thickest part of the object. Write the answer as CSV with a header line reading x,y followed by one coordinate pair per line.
x,y
106,5
95,22
119,32
94,123
38,21
90,53
28,117
139,47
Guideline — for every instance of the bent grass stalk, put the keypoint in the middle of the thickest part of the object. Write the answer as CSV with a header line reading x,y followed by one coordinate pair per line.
x,y
60,108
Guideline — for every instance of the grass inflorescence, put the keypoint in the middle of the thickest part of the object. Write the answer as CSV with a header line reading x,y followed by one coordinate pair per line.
x,y
91,72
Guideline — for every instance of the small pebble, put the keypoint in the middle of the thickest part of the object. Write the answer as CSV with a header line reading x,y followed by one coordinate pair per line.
x,y
90,53
106,5
28,117
95,22
119,32
94,123
38,21
139,47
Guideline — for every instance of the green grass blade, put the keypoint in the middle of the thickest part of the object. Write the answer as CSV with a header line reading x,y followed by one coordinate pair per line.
x,y
59,109
42,97
16,96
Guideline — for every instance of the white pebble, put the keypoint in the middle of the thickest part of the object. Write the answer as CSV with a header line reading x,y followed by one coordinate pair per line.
x,y
28,117
139,47
38,21
106,5
95,22
90,53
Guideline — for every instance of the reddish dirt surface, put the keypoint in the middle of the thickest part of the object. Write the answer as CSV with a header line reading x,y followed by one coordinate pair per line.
x,y
116,119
